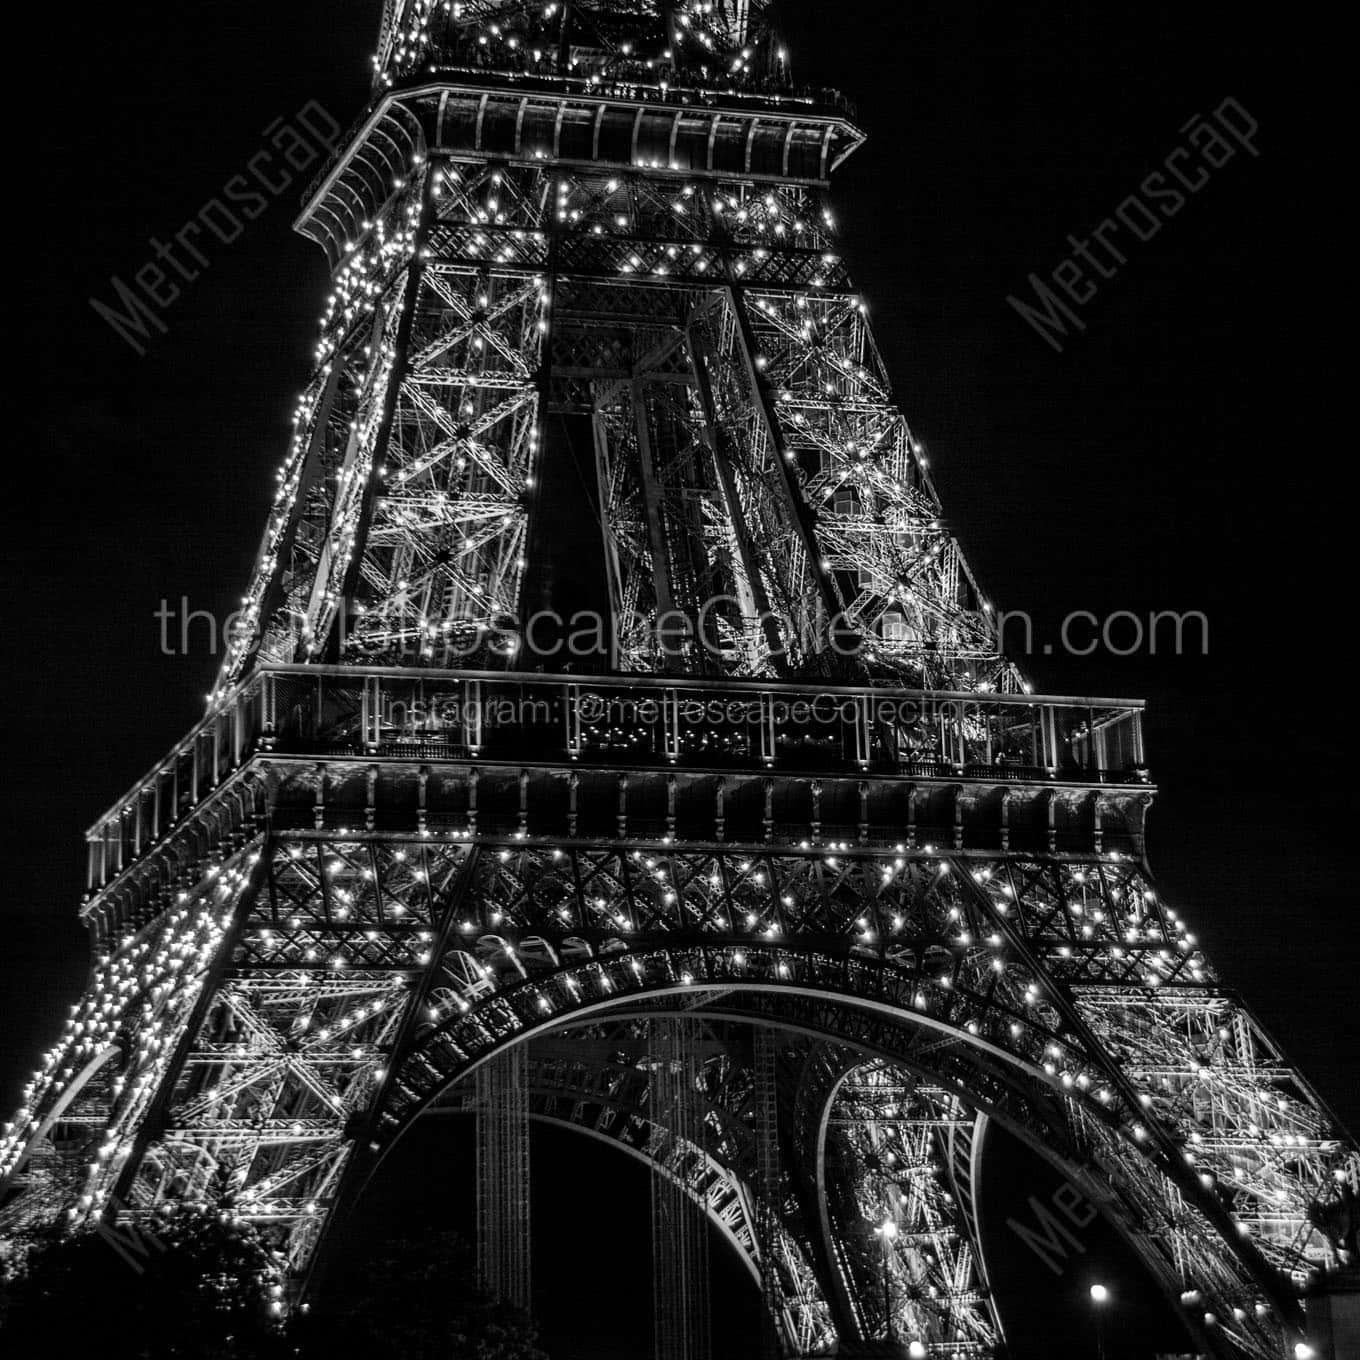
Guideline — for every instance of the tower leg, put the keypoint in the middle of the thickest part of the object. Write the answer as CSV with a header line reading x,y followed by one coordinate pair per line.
x,y
503,1177
679,1232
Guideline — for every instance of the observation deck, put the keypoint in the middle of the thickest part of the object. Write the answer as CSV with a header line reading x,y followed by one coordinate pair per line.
x,y
795,137
644,759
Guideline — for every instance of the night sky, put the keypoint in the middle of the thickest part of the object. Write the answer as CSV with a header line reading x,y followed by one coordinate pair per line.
x,y
1164,460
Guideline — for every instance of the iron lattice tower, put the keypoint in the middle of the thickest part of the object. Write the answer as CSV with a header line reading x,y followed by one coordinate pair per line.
x,y
785,884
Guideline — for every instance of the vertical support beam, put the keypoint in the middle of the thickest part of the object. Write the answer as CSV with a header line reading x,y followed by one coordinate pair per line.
x,y
712,434
652,499
801,520
503,1177
679,1228
767,1171
349,573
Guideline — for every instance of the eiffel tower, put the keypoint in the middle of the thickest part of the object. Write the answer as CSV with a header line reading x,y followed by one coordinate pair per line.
x,y
617,737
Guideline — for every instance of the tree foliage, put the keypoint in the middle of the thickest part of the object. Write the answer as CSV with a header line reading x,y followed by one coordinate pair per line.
x,y
202,1285
414,1297
199,1284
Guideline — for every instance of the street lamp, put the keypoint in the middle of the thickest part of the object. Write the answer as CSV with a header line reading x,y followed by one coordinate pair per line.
x,y
1100,1296
887,1230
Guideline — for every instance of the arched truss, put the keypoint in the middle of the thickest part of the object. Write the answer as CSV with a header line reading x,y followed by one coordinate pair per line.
x,y
291,1017
49,1166
596,1082
894,1178
894,1144
991,954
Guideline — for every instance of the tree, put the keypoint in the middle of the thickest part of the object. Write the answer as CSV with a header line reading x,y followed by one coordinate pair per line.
x,y
198,1285
413,1298
202,1285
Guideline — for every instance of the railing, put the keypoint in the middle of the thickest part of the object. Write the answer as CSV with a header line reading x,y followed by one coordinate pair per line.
x,y
636,80
174,787
626,722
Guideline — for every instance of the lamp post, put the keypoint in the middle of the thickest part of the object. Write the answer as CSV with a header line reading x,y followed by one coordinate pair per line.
x,y
1100,1296
887,1231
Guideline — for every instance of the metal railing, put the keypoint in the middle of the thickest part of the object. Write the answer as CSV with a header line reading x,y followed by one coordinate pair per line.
x,y
626,722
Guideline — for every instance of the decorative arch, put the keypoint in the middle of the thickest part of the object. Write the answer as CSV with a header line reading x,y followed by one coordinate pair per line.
x,y
966,1068
374,971
610,1104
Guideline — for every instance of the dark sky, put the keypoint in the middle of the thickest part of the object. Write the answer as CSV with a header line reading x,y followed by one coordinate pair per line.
x,y
1165,460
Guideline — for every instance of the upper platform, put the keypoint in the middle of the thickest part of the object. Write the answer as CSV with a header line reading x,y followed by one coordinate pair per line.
x,y
568,121
715,44
691,88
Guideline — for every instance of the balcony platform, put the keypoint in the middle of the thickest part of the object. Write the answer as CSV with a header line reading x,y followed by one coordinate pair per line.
x,y
396,752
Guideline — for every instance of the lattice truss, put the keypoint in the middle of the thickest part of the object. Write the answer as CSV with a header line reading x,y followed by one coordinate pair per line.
x,y
702,41
761,499
397,532
899,576
755,476
991,951
598,1079
705,575
679,1234
895,1217
1079,1009
1246,1121
79,1115
443,558
297,581
287,1046
503,1201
